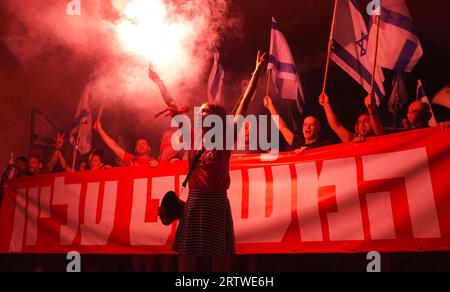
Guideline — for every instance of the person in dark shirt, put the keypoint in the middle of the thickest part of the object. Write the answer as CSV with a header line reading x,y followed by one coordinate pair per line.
x,y
311,131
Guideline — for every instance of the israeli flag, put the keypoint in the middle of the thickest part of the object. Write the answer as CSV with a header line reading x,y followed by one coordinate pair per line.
x,y
284,72
82,125
399,47
351,50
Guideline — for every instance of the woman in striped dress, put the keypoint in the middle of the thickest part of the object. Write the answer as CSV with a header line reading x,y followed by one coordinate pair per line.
x,y
206,226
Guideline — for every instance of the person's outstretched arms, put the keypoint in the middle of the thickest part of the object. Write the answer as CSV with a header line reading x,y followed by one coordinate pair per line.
x,y
375,120
344,134
109,141
284,130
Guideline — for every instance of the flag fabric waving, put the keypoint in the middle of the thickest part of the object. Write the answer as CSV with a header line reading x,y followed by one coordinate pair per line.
x,y
399,47
81,134
351,50
282,65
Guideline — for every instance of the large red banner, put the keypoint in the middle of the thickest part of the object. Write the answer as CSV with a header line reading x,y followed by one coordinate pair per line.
x,y
391,193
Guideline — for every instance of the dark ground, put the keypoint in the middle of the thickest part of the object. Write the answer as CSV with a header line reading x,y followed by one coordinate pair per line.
x,y
397,262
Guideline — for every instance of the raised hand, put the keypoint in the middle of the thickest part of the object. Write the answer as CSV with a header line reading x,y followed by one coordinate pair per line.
x,y
370,103
59,140
152,74
260,60
268,104
323,99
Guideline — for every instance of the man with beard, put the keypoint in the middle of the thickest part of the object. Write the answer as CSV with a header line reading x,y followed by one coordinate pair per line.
x,y
368,123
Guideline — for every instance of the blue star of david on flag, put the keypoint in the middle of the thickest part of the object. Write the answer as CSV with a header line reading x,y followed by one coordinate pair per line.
x,y
363,43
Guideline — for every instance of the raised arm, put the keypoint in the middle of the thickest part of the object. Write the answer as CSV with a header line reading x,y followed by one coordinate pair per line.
x,y
59,143
344,134
63,162
53,160
109,141
251,88
375,120
169,100
285,131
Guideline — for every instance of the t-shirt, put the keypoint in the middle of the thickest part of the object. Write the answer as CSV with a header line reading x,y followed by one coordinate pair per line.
x,y
167,153
212,172
299,142
133,160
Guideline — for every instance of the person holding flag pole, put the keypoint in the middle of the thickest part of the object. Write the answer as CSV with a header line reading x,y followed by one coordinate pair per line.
x,y
282,70
330,45
353,56
283,73
377,13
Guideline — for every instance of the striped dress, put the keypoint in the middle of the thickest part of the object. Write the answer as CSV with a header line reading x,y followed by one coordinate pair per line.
x,y
206,225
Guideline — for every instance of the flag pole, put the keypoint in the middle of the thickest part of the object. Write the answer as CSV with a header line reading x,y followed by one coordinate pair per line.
x,y
330,45
396,101
417,92
269,76
372,84
75,150
100,111
269,71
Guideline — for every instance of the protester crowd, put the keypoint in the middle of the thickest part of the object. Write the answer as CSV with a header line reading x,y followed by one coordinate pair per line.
x,y
367,125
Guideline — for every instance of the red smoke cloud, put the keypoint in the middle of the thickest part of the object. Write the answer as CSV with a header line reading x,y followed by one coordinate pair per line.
x,y
117,38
